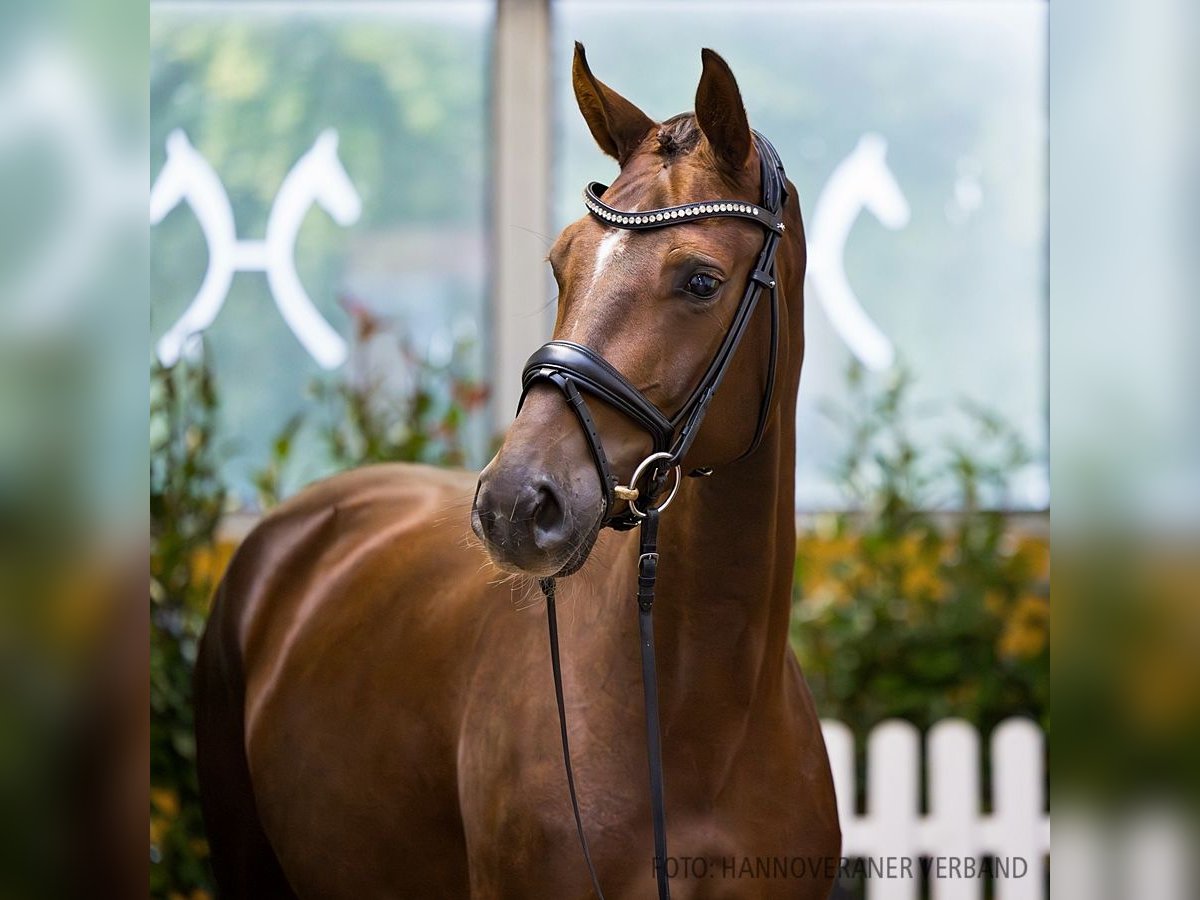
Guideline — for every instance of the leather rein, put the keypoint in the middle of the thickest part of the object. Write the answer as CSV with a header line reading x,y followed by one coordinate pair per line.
x,y
577,371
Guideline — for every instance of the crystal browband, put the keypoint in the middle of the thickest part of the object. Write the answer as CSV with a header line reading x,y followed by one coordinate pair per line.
x,y
674,215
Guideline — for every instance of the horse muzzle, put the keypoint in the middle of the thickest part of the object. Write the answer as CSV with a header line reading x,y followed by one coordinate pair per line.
x,y
530,523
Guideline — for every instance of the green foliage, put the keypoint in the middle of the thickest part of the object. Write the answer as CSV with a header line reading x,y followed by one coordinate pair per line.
x,y
905,611
187,500
368,420
392,404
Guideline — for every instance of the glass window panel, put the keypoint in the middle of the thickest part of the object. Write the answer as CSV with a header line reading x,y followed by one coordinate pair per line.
x,y
389,103
943,102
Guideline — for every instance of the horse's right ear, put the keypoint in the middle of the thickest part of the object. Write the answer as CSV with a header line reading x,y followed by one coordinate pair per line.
x,y
617,125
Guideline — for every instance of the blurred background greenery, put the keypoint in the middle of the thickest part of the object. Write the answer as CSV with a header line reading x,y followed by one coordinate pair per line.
x,y
405,89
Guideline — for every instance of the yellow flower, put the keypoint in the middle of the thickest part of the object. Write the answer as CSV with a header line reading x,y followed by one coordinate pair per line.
x,y
1027,628
200,894
165,800
921,579
210,561
1031,560
158,830
995,601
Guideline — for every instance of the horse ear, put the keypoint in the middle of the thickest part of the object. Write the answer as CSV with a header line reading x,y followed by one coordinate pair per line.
x,y
720,113
617,125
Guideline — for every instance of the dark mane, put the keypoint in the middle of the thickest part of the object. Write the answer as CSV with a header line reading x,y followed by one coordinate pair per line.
x,y
678,136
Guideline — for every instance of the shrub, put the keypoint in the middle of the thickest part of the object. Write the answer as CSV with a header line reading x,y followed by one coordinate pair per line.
x,y
187,499
390,404
905,610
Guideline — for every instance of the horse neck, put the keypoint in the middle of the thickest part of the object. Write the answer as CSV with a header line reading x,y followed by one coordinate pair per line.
x,y
833,221
292,202
204,192
727,551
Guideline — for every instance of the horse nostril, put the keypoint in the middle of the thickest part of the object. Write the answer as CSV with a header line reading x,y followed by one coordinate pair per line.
x,y
487,519
550,523
483,515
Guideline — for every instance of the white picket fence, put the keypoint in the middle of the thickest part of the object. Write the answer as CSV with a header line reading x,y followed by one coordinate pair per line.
x,y
955,829
1147,853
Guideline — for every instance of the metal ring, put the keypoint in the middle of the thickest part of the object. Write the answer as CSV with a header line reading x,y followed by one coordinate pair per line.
x,y
641,470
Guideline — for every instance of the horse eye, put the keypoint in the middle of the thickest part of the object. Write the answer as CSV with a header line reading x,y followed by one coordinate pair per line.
x,y
703,285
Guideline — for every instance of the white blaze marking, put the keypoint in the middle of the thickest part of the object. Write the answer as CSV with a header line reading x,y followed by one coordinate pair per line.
x,y
610,246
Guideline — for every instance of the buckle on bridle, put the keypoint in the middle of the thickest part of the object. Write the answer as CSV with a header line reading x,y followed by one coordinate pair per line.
x,y
648,565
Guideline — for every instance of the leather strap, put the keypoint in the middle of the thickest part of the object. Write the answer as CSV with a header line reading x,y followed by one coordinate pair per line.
x,y
647,579
548,589
608,480
594,374
647,575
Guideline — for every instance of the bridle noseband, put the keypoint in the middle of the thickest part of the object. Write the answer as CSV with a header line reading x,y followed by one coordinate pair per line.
x,y
577,371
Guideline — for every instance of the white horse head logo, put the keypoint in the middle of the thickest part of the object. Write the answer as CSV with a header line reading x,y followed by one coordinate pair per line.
x,y
317,177
861,181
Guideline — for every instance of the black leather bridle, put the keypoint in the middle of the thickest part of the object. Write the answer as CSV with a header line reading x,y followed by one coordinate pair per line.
x,y
577,371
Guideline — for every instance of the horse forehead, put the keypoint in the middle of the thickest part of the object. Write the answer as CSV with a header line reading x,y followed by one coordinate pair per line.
x,y
654,185
610,246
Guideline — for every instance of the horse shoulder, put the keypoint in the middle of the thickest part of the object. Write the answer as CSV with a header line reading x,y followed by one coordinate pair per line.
x,y
343,612
355,576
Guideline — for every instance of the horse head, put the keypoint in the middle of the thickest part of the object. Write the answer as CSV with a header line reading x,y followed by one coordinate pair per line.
x,y
655,305
328,180
880,192
176,177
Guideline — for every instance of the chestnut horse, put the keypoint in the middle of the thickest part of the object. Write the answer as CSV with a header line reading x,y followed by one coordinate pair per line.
x,y
375,714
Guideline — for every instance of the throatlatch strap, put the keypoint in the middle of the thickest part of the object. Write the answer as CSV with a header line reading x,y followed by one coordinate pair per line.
x,y
547,586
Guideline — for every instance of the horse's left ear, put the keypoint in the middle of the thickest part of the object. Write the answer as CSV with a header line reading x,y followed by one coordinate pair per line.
x,y
720,113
